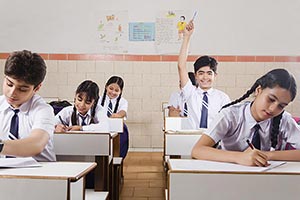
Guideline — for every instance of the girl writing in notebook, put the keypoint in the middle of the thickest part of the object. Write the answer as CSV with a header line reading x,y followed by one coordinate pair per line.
x,y
251,133
116,107
85,115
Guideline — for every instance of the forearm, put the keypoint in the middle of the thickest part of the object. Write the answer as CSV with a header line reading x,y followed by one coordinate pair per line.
x,y
119,114
182,60
213,154
30,146
288,155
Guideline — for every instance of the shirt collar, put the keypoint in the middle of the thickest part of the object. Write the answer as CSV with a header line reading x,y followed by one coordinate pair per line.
x,y
209,91
23,108
251,121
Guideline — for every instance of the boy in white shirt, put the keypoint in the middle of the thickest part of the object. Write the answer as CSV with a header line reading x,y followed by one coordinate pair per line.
x,y
203,101
27,120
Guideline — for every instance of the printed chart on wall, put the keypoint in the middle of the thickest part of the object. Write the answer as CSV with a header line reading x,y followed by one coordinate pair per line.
x,y
112,31
169,30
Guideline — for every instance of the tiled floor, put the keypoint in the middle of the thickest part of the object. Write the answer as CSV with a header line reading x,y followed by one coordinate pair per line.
x,y
144,176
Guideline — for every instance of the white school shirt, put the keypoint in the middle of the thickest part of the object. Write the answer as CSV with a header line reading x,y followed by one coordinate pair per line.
x,y
235,124
177,99
123,104
100,119
194,96
34,114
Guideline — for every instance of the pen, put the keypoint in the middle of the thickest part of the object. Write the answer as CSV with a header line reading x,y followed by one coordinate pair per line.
x,y
250,144
62,121
195,14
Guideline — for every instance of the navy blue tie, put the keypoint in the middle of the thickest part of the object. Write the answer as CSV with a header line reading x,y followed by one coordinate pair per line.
x,y
14,126
83,120
109,109
204,111
256,137
185,110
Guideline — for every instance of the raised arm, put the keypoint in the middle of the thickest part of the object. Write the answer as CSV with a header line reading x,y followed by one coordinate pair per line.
x,y
182,58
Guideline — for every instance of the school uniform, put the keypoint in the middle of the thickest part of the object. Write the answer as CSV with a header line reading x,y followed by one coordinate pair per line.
x,y
194,96
177,100
124,137
100,119
33,114
235,124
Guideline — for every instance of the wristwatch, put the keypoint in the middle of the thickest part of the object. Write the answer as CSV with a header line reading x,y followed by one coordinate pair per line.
x,y
1,145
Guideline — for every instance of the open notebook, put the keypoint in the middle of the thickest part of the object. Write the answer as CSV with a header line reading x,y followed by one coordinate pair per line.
x,y
18,162
203,165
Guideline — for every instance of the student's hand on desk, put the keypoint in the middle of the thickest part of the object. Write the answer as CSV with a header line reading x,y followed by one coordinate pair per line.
x,y
61,128
75,128
253,158
174,112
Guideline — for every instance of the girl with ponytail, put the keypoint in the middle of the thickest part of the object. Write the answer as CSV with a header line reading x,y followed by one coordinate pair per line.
x,y
116,107
85,115
238,122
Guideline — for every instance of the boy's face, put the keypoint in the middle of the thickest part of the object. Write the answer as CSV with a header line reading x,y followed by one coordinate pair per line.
x,y
205,77
82,104
17,91
113,90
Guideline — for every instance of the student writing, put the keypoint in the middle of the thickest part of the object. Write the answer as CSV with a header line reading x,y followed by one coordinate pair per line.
x,y
263,121
203,101
86,114
27,121
116,107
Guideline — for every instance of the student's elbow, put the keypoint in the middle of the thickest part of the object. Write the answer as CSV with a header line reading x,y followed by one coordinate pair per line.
x,y
39,142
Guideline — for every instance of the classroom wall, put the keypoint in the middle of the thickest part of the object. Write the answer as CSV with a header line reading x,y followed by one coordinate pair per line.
x,y
149,83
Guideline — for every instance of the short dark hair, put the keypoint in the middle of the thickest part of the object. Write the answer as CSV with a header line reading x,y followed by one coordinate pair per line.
x,y
206,61
26,66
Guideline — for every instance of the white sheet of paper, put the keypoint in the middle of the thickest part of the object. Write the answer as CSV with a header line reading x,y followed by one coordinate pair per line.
x,y
19,162
203,165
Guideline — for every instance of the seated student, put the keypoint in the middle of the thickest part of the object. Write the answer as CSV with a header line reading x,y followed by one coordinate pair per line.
x,y
27,120
177,104
273,132
116,107
86,114
203,101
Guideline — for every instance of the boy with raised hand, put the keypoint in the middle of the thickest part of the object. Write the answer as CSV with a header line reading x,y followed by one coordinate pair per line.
x,y
203,101
27,121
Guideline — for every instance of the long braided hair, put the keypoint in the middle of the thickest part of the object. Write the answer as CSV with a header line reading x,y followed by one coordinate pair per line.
x,y
119,81
91,90
275,77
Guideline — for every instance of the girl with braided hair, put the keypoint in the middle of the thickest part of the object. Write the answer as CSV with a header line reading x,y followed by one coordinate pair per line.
x,y
85,115
116,107
263,121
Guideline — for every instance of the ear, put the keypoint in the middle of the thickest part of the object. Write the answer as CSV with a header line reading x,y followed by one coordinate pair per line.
x,y
258,90
37,88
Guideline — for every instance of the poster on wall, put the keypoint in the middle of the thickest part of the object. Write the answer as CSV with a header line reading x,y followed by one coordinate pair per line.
x,y
169,30
141,31
112,32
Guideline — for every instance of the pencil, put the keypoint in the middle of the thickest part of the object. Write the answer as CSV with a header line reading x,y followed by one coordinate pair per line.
x,y
250,144
62,121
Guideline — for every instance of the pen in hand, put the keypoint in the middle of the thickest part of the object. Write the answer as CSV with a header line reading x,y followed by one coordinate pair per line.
x,y
62,121
250,144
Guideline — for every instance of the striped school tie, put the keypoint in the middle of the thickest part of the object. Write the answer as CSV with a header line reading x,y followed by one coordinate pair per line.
x,y
14,126
83,120
204,111
256,137
185,110
109,109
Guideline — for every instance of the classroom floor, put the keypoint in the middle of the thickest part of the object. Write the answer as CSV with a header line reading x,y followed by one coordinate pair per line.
x,y
144,176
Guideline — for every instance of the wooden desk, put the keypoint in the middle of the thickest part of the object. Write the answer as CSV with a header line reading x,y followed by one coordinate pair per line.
x,y
186,181
53,180
99,145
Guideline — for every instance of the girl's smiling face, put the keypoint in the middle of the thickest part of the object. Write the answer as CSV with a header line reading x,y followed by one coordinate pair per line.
x,y
269,102
113,90
82,103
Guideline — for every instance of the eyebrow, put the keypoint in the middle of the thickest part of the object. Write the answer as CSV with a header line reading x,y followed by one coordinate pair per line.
x,y
282,103
20,86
